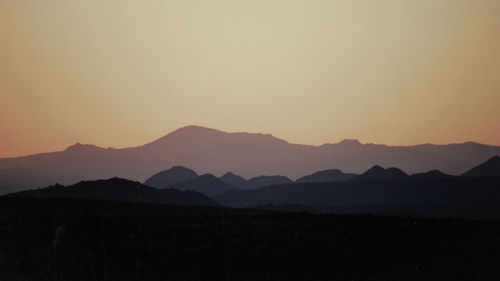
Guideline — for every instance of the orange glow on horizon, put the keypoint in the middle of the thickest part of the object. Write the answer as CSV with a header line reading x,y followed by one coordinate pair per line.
x,y
123,73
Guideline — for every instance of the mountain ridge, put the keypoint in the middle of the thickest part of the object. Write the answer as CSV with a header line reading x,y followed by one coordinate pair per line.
x,y
490,168
249,155
118,189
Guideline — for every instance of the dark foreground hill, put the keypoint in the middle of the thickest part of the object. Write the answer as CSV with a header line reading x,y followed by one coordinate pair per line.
x,y
117,189
46,240
477,198
490,168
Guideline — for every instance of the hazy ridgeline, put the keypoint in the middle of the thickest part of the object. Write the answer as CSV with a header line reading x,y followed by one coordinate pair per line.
x,y
248,155
475,194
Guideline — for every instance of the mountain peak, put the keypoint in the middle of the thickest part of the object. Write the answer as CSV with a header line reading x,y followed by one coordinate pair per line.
x,y
333,175
207,184
194,129
230,174
202,135
375,168
350,142
494,159
433,174
234,180
378,173
82,147
171,177
490,168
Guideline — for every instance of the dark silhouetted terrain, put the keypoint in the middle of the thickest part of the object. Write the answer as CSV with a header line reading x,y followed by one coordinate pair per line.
x,y
377,173
117,189
326,176
255,182
207,184
249,155
235,180
46,240
262,181
171,177
434,174
477,198
490,168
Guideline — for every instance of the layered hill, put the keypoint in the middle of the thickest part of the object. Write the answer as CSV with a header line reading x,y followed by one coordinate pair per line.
x,y
326,176
377,173
249,155
434,174
235,180
387,191
117,189
262,181
490,168
477,198
207,184
171,177
255,182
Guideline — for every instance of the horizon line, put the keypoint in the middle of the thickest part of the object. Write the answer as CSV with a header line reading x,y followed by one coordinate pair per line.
x,y
244,132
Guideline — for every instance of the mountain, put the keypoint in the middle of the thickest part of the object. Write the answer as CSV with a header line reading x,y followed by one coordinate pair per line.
x,y
326,176
477,198
261,181
207,184
170,177
434,174
377,173
248,155
235,180
117,189
490,168
255,182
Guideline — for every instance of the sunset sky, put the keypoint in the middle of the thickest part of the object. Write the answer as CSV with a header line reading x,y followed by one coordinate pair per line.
x,y
123,73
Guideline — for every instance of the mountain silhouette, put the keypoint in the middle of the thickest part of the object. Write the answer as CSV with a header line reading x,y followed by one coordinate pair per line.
x,y
377,173
235,180
117,189
490,168
326,176
246,154
171,177
261,181
477,198
434,174
207,184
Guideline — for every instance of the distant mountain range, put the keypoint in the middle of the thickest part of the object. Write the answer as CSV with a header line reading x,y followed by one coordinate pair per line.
x,y
216,152
475,194
182,178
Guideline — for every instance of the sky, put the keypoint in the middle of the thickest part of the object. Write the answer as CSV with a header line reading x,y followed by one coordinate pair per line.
x,y
123,73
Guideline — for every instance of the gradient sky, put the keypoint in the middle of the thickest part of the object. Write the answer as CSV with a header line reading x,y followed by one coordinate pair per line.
x,y
122,73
